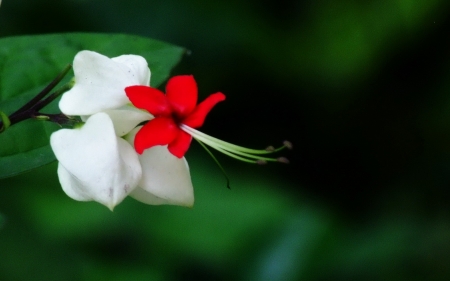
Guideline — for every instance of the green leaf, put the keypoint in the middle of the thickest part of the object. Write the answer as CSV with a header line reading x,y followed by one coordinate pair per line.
x,y
29,63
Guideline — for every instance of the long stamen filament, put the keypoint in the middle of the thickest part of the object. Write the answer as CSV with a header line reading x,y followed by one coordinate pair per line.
x,y
238,152
236,155
226,145
217,162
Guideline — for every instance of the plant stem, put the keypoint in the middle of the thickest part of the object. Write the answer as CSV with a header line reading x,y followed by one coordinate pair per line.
x,y
42,103
33,111
44,92
31,108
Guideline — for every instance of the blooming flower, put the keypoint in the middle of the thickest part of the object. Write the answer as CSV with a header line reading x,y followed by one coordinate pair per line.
x,y
98,161
176,117
178,107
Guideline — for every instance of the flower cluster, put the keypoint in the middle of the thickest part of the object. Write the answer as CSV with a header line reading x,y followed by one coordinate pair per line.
x,y
97,161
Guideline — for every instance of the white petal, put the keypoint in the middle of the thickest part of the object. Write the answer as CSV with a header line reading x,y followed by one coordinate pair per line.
x,y
103,167
165,178
138,65
71,186
100,82
146,197
127,118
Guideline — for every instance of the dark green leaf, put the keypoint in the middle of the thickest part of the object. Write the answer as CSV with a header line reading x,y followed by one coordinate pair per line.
x,y
29,63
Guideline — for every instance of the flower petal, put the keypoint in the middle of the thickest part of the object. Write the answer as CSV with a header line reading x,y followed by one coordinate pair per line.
x,y
197,117
181,92
100,83
147,198
127,118
71,186
181,144
150,99
103,167
158,131
165,178
138,67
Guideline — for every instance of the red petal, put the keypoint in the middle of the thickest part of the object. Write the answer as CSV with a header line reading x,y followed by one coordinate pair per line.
x,y
196,118
150,99
158,131
180,145
181,92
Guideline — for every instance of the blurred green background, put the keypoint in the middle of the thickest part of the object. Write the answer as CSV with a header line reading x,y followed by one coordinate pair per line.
x,y
362,89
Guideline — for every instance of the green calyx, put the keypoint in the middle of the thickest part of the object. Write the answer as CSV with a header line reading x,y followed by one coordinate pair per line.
x,y
5,122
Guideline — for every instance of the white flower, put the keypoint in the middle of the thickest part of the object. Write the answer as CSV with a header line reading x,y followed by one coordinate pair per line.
x,y
95,161
95,164
100,82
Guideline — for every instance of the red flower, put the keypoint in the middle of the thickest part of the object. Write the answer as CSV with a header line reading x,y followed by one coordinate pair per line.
x,y
171,110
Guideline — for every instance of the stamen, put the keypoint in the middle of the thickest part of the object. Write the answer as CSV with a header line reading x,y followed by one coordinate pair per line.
x,y
238,155
218,163
226,145
270,148
288,144
238,152
283,160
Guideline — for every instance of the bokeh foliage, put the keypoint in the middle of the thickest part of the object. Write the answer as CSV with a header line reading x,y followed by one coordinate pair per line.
x,y
360,88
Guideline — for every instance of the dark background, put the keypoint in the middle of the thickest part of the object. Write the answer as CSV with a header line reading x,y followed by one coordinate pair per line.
x,y
361,89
